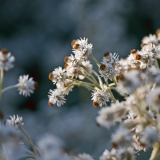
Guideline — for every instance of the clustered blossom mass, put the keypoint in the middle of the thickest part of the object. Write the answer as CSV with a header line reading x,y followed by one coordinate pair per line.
x,y
136,78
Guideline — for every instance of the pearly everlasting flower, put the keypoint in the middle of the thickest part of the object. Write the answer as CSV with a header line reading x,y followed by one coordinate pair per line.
x,y
58,75
81,48
153,99
73,66
84,156
14,121
56,97
65,86
109,63
107,72
112,155
109,115
152,75
110,58
156,50
122,138
129,82
26,85
87,65
100,96
149,136
126,154
6,60
150,39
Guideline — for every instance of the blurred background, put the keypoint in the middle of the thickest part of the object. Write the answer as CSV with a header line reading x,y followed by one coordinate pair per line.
x,y
38,33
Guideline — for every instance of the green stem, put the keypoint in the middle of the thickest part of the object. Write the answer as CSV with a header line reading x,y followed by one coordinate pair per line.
x,y
1,78
111,94
156,63
155,150
90,74
29,140
95,60
115,80
9,87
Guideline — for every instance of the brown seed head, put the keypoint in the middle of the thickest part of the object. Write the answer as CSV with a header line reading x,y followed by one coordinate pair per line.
x,y
50,76
65,65
76,46
143,44
106,54
102,67
95,104
73,42
113,144
138,57
133,51
66,59
97,124
35,84
4,51
50,103
1,115
158,31
120,77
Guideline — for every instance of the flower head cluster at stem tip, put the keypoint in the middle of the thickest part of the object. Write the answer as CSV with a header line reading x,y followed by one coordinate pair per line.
x,y
136,78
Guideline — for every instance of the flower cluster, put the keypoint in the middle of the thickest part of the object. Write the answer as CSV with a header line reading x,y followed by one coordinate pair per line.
x,y
136,78
25,86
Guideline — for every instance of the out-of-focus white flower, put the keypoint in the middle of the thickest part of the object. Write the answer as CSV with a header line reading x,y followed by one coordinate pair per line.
x,y
50,147
129,82
122,138
109,115
84,156
153,99
6,60
11,146
58,75
149,136
100,97
81,48
56,97
126,154
150,39
14,121
26,85
112,155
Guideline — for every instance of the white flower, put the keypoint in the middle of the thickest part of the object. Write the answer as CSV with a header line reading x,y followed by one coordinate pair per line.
x,y
149,136
112,155
65,87
56,97
126,153
100,96
81,48
84,156
122,138
129,83
110,58
150,39
109,115
26,85
107,72
87,65
14,121
6,60
153,99
58,75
